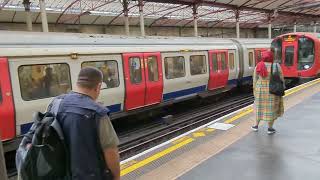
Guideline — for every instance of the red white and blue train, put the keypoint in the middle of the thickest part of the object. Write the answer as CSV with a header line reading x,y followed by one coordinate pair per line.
x,y
139,72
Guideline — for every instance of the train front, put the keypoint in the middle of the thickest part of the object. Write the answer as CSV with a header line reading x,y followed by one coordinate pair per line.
x,y
298,54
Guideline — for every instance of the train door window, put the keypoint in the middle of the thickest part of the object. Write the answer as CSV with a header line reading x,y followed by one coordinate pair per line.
x,y
305,53
223,61
251,59
276,48
153,68
258,55
109,69
174,67
215,62
289,55
0,95
198,64
231,61
44,80
135,70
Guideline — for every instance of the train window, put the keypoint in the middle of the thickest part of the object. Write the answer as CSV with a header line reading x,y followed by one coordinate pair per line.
x,y
259,54
251,64
276,48
153,68
305,53
215,62
223,61
289,54
174,67
198,64
135,70
44,80
109,69
231,60
0,95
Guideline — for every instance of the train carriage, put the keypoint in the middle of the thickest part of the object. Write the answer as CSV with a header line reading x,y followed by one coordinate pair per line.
x,y
139,73
299,56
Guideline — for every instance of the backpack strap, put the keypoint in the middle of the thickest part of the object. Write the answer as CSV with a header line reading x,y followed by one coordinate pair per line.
x,y
54,108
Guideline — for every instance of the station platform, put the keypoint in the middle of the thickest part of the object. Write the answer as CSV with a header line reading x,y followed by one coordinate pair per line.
x,y
228,149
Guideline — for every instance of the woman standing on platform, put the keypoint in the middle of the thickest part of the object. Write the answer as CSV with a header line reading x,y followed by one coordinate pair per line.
x,y
268,106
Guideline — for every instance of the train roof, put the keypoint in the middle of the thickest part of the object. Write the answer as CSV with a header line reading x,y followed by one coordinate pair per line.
x,y
66,43
309,34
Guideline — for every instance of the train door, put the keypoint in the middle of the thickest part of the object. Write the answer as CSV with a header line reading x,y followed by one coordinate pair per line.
x,y
143,79
219,71
7,119
154,79
289,53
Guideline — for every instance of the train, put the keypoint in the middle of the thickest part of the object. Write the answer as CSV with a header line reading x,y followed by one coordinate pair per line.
x,y
139,72
299,56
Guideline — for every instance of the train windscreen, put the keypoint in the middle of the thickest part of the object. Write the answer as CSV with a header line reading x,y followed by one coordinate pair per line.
x,y
0,95
289,56
276,47
305,53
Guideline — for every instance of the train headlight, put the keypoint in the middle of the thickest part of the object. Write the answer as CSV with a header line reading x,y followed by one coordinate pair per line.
x,y
306,66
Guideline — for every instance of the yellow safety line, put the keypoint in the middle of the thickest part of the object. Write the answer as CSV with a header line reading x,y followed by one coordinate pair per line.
x,y
248,111
189,140
155,157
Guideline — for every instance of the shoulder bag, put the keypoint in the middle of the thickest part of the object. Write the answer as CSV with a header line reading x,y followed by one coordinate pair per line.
x,y
276,86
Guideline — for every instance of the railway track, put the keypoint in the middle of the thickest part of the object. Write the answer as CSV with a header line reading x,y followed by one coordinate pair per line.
x,y
180,124
156,132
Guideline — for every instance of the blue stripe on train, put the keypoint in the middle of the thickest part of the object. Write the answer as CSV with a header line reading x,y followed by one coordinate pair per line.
x,y
114,108
234,82
24,128
184,92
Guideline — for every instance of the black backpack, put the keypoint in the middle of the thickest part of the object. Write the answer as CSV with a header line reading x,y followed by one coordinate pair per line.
x,y
47,158
276,85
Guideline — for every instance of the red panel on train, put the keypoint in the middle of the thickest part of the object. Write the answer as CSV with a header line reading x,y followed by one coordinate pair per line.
x,y
219,69
143,79
154,78
7,119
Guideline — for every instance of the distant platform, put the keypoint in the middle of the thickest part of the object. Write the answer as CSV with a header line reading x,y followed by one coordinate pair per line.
x,y
227,149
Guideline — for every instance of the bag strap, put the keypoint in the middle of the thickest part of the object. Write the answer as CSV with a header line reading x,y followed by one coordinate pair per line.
x,y
54,108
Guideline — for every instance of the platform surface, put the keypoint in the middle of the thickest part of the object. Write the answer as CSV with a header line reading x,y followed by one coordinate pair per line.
x,y
227,148
292,153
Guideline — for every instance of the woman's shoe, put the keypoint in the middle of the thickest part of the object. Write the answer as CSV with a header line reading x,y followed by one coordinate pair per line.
x,y
271,131
254,128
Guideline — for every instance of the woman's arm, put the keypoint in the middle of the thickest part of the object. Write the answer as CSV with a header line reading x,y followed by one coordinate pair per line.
x,y
255,79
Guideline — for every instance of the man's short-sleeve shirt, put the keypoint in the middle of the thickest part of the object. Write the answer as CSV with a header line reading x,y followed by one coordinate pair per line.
x,y
107,134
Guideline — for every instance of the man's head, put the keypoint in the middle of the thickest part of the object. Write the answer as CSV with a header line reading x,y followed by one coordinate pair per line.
x,y
89,81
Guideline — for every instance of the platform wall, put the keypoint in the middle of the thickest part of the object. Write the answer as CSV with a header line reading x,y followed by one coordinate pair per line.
x,y
135,30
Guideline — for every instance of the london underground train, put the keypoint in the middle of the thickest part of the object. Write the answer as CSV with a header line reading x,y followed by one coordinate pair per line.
x,y
299,56
139,72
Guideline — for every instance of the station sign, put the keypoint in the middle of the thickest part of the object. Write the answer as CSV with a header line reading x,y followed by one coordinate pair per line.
x,y
289,38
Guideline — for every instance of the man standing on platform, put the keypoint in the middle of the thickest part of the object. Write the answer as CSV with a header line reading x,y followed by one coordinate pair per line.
x,y
3,170
89,134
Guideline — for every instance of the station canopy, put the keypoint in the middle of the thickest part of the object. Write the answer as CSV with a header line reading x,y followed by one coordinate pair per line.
x,y
210,13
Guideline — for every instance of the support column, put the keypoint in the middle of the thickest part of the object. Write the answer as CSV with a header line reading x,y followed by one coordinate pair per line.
x,y
3,170
269,30
26,4
314,27
195,19
44,20
237,24
141,18
126,17
270,26
295,27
